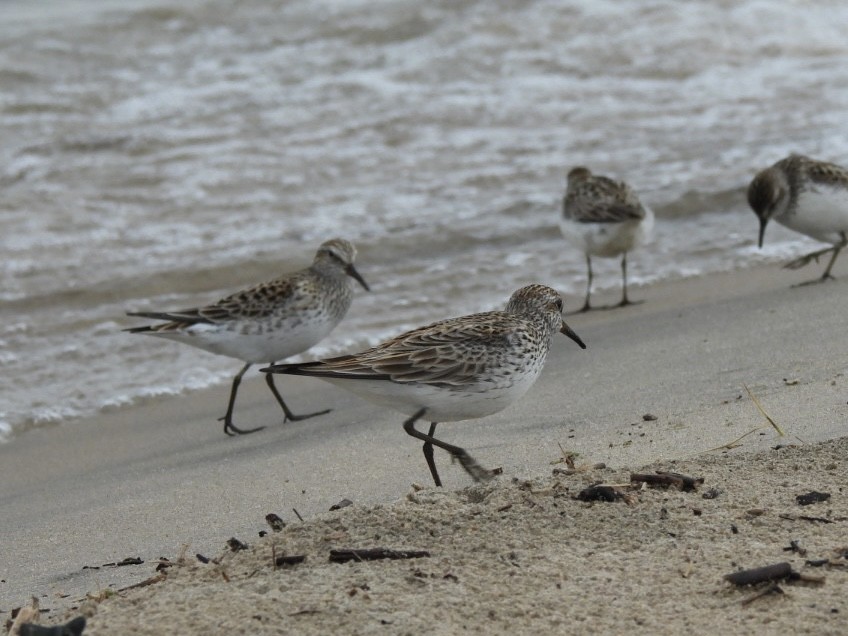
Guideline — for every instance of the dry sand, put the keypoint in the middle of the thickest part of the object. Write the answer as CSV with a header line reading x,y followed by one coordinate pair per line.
x,y
519,552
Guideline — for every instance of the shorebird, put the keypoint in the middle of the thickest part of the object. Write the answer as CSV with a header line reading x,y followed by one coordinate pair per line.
x,y
808,196
269,321
603,217
455,369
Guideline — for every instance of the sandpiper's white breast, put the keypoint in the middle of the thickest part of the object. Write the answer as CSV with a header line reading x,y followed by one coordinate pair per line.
x,y
821,213
607,239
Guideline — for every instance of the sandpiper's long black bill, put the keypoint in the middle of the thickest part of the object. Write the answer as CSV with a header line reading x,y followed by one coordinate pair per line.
x,y
570,333
763,223
350,270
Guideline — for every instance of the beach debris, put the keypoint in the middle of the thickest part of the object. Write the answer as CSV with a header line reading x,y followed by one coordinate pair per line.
x,y
235,545
126,561
649,417
763,412
73,627
773,588
600,492
812,497
288,560
276,523
775,572
371,554
201,558
795,546
791,382
164,564
158,578
712,493
663,478
297,514
344,503
770,573
789,517
23,615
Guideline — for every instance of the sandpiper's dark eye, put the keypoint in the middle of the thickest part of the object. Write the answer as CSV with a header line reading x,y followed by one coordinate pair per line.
x,y
559,304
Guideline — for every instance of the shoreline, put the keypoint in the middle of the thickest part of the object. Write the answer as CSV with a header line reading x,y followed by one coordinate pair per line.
x,y
683,356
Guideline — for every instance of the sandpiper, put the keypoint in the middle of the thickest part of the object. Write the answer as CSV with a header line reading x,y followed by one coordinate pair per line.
x,y
603,217
268,322
808,196
455,369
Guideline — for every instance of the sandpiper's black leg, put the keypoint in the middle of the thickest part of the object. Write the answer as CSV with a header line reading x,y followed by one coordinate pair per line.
x,y
624,300
799,262
428,455
477,472
269,378
230,428
586,305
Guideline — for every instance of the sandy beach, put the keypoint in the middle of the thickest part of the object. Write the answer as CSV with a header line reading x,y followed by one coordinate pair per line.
x,y
146,481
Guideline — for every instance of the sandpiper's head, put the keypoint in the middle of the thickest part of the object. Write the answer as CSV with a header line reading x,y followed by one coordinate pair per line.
x,y
541,300
768,195
339,253
578,173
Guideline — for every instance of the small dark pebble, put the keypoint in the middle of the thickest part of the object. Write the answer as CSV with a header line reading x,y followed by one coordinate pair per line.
x,y
599,492
697,512
712,493
344,503
734,529
812,497
71,628
202,558
262,533
275,522
649,417
235,545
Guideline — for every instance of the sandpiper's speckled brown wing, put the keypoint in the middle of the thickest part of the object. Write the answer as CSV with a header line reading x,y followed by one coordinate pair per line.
x,y
254,302
799,167
597,199
452,352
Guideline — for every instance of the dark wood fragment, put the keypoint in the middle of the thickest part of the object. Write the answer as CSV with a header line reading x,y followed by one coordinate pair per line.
x,y
815,519
776,572
599,492
292,559
649,417
202,558
297,514
812,497
344,503
370,554
816,563
129,561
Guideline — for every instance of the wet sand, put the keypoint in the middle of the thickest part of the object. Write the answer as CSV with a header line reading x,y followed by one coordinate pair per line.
x,y
146,480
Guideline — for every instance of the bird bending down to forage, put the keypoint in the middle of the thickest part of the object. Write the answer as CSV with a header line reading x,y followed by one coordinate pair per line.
x,y
268,322
455,369
603,217
808,196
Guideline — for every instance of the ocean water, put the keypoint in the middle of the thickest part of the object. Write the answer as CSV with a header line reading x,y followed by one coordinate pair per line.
x,y
160,154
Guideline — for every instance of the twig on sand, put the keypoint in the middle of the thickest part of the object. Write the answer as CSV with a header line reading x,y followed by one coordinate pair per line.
x,y
761,410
